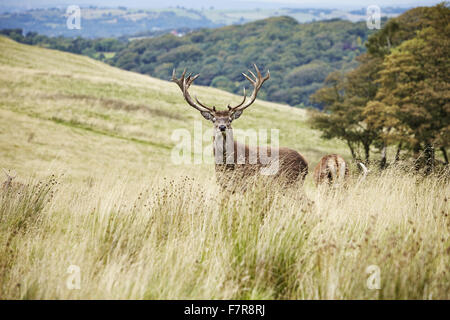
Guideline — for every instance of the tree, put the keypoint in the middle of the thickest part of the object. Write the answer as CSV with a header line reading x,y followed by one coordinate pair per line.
x,y
400,91
345,99
415,83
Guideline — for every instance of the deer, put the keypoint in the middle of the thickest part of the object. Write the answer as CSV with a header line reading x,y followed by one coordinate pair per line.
x,y
233,159
333,169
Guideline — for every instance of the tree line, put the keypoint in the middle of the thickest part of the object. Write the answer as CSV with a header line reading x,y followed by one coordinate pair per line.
x,y
104,22
94,48
299,56
398,95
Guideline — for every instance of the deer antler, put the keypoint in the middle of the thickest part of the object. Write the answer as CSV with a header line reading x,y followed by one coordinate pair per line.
x,y
257,82
240,104
364,170
184,84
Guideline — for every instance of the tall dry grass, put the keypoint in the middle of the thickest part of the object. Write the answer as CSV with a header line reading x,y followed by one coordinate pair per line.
x,y
185,239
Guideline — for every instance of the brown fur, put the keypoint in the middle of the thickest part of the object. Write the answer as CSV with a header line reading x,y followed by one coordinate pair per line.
x,y
332,168
292,166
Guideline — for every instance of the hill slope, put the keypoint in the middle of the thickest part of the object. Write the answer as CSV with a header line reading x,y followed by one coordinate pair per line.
x,y
85,117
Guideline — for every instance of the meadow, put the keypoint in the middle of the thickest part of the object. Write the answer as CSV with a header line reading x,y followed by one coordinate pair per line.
x,y
96,189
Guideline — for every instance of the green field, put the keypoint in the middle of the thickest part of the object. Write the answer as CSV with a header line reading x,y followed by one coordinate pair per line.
x,y
96,188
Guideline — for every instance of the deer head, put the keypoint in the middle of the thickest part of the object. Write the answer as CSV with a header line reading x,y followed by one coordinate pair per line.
x,y
221,118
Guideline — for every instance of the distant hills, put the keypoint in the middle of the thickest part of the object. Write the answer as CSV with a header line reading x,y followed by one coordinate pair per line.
x,y
119,21
299,56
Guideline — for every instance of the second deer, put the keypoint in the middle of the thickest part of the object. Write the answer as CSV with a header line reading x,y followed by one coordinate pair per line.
x,y
333,169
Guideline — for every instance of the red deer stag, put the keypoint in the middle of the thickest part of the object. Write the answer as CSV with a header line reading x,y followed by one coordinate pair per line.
x,y
234,160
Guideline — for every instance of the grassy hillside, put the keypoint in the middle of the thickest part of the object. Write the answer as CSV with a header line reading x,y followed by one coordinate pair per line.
x,y
73,111
96,189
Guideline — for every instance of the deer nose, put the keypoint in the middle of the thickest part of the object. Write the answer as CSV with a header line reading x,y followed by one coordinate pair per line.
x,y
222,127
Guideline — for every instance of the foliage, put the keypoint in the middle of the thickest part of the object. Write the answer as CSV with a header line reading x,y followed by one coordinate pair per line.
x,y
89,47
345,98
399,93
415,81
299,56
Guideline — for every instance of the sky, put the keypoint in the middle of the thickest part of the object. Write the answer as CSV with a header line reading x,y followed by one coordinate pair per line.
x,y
220,4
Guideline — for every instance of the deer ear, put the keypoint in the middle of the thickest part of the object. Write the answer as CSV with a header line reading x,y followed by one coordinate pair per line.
x,y
206,115
236,114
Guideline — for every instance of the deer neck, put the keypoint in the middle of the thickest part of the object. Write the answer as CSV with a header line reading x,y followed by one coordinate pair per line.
x,y
223,145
